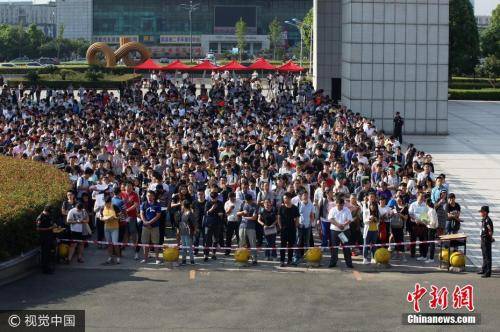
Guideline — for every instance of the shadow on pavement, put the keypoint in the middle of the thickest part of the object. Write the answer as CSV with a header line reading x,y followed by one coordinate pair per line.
x,y
40,289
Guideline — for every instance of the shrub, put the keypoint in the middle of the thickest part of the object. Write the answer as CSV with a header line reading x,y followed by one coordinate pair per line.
x,y
51,69
93,75
469,85
482,94
66,73
463,79
25,188
119,70
33,77
55,81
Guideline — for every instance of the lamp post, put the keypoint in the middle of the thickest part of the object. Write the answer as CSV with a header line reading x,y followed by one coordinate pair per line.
x,y
311,52
191,7
297,24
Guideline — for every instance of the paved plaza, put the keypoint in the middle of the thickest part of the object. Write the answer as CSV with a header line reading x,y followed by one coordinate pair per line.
x,y
470,158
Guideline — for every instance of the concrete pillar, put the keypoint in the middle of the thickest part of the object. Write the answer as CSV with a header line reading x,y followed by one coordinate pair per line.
x,y
327,43
395,58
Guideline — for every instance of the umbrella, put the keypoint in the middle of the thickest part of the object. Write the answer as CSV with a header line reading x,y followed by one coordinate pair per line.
x,y
261,64
290,67
149,64
233,66
204,65
176,65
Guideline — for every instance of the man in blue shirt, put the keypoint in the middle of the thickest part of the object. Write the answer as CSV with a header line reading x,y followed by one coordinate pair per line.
x,y
150,215
248,215
436,191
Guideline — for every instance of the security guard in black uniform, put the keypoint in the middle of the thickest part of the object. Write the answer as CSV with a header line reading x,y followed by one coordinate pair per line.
x,y
44,226
486,240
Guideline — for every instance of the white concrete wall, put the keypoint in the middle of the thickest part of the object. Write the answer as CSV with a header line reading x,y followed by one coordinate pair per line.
x,y
395,58
327,43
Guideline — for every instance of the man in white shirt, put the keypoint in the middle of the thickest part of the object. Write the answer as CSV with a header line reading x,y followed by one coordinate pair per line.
x,y
426,173
418,211
232,206
340,217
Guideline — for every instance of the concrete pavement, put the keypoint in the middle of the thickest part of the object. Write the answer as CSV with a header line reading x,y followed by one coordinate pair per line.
x,y
244,299
470,158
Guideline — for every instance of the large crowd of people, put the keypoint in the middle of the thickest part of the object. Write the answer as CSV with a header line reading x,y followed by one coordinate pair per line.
x,y
228,164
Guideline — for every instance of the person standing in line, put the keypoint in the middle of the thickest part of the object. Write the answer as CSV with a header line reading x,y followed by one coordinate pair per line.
x,y
232,207
76,219
486,241
432,229
187,224
306,212
267,218
418,211
214,211
44,226
399,122
248,215
340,217
288,221
199,212
111,219
150,216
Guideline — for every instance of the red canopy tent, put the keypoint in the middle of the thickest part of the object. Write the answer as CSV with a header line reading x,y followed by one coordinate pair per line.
x,y
149,64
290,67
203,66
233,66
261,64
176,65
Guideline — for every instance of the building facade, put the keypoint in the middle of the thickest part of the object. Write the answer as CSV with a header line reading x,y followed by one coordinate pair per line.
x,y
483,21
386,56
26,13
76,18
164,25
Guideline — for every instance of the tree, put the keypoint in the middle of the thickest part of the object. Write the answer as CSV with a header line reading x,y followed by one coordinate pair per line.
x,y
36,39
307,26
241,32
490,68
59,39
14,42
464,38
33,77
490,37
275,31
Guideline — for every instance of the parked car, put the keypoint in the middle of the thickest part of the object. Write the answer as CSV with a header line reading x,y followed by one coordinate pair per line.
x,y
164,60
34,64
8,65
48,61
21,59
209,57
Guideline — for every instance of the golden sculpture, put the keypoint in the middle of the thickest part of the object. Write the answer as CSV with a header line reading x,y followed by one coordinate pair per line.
x,y
122,53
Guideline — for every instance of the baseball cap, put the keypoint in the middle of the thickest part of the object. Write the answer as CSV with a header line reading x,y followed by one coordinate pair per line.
x,y
485,208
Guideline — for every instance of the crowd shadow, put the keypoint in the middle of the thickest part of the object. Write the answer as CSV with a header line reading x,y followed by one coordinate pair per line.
x,y
40,289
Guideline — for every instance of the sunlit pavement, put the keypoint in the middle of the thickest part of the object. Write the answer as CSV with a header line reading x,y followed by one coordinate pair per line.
x,y
470,158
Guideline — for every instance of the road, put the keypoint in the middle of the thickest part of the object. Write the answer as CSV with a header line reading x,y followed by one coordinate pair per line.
x,y
227,299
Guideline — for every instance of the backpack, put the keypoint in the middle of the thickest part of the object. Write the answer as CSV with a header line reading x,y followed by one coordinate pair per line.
x,y
396,221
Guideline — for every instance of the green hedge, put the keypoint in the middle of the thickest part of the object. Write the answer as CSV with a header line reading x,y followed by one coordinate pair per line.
x,y
482,94
457,79
119,70
55,82
466,85
25,188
